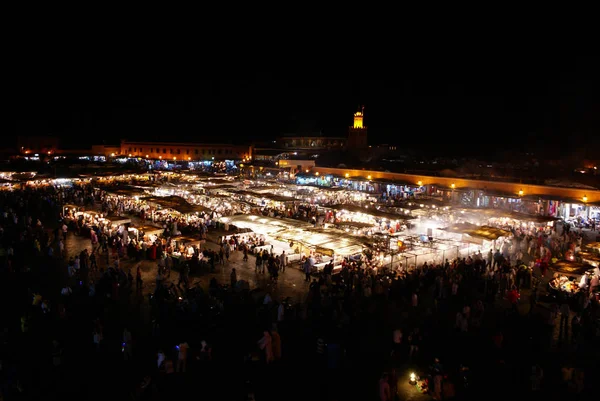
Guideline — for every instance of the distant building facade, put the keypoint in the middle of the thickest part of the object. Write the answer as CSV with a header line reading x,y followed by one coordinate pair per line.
x,y
184,151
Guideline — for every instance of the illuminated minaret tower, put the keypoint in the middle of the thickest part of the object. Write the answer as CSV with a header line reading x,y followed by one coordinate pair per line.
x,y
357,133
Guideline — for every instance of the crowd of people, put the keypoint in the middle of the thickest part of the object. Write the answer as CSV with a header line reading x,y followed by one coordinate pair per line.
x,y
84,326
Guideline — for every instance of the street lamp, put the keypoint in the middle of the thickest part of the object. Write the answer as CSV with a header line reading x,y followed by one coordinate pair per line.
x,y
347,175
520,192
369,177
585,198
453,185
420,183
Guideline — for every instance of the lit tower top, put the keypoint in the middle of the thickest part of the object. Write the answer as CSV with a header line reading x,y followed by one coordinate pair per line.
x,y
358,118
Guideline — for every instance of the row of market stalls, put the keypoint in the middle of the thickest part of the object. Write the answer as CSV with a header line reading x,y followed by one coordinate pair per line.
x,y
576,211
413,230
88,220
296,238
362,216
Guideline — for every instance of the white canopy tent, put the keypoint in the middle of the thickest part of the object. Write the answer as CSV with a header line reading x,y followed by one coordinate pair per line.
x,y
263,224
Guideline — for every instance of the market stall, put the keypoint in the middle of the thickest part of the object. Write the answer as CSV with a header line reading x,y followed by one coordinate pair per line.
x,y
146,233
69,210
475,238
323,245
589,258
367,219
569,278
186,247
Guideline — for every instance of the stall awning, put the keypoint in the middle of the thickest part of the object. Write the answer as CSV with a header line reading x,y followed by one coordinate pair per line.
x,y
149,230
533,217
484,232
369,211
571,268
129,192
593,245
263,224
188,240
354,224
176,203
273,197
118,220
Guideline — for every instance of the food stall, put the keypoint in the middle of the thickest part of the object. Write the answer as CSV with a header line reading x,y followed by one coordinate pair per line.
x,y
569,278
263,232
69,210
184,245
589,258
146,233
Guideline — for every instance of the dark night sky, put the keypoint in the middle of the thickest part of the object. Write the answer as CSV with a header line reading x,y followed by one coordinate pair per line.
x,y
467,107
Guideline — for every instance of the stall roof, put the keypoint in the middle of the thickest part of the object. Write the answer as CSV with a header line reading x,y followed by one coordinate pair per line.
x,y
220,180
187,239
176,203
533,217
118,220
273,197
220,186
150,229
125,191
259,188
370,211
571,267
335,240
589,256
263,224
485,232
355,224
593,245
498,213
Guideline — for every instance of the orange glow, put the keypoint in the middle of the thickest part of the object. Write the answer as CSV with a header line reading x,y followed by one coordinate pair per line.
x,y
347,175
420,183
585,198
521,192
453,186
369,177
174,158
189,158
147,156
317,173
